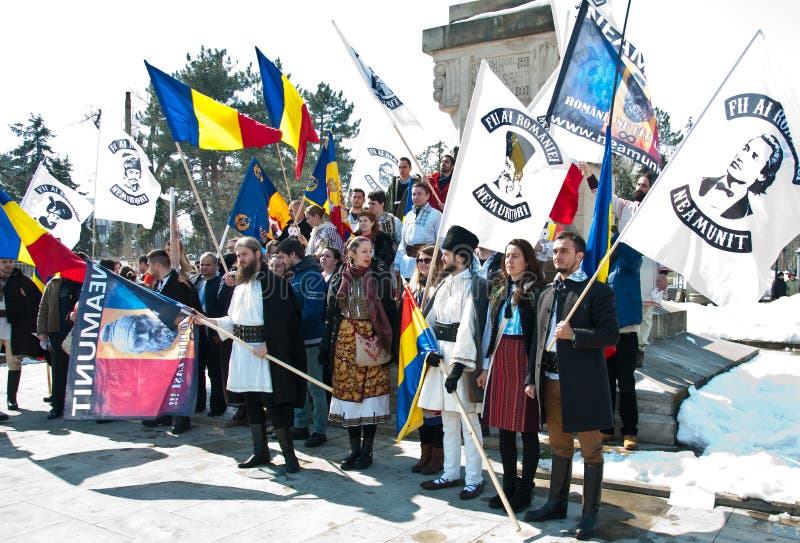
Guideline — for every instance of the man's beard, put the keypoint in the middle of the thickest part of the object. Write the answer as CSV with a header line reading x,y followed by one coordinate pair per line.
x,y
639,195
449,268
244,275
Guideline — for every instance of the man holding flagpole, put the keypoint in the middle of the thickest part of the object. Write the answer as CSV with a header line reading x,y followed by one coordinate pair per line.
x,y
570,379
457,315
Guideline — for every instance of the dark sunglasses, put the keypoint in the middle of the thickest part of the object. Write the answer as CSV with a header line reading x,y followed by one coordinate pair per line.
x,y
424,260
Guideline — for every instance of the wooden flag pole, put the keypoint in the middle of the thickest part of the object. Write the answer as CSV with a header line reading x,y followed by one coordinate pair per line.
x,y
200,203
283,170
468,424
201,319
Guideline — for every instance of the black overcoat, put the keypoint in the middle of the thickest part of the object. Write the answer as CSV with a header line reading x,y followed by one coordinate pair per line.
x,y
585,394
22,308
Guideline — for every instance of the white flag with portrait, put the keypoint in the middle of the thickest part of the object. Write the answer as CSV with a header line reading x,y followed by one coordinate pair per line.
x,y
127,191
728,202
377,159
509,169
58,208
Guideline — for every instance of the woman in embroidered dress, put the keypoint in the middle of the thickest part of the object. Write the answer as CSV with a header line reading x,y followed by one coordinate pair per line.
x,y
359,301
512,316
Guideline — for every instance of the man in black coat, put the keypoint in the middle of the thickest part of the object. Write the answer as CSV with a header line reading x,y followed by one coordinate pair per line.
x,y
570,379
208,345
265,313
19,306
173,285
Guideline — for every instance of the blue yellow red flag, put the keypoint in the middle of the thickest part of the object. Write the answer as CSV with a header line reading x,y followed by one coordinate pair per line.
x,y
599,241
416,341
324,187
205,123
287,110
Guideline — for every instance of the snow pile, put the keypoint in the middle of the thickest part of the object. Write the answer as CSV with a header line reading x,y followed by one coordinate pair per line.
x,y
748,425
777,321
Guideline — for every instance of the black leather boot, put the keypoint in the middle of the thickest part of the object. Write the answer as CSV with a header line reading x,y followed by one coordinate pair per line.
x,y
355,450
364,459
287,448
509,488
260,456
12,387
558,496
592,487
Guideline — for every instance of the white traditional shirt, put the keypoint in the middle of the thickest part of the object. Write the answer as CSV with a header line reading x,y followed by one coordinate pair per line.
x,y
247,372
420,226
453,304
5,326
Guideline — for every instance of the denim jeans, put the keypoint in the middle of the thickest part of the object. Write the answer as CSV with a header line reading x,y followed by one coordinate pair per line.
x,y
316,398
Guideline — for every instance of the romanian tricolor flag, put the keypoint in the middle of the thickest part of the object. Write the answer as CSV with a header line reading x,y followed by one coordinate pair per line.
x,y
259,205
599,241
324,188
24,239
205,123
287,111
566,204
416,341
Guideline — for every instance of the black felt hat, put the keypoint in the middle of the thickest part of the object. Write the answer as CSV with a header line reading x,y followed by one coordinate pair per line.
x,y
459,238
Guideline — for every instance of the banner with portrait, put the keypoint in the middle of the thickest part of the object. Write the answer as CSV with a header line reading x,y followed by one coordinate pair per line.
x,y
56,207
132,353
579,110
726,204
126,190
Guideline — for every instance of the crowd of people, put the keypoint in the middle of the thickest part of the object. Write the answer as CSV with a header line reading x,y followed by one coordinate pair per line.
x,y
330,308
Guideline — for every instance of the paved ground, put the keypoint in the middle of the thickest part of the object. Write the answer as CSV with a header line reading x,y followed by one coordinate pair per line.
x,y
81,481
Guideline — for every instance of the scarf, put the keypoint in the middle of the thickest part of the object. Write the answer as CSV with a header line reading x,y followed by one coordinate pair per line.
x,y
378,317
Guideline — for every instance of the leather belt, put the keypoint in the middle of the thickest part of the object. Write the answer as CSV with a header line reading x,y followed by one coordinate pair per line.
x,y
446,332
413,250
250,334
550,362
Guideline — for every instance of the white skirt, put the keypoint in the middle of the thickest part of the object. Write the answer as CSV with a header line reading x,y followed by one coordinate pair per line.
x,y
373,410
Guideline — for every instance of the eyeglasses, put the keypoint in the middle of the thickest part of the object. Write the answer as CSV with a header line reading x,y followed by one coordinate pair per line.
x,y
424,260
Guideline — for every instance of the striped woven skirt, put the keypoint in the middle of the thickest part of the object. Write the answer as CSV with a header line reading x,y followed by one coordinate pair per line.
x,y
505,405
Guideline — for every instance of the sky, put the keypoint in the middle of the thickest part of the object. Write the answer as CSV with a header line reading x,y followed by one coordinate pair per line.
x,y
64,60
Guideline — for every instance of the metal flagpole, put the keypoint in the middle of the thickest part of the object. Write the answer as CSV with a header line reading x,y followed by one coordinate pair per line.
x,y
200,203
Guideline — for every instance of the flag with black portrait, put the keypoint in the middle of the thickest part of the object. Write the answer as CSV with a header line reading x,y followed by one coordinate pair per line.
x,y
509,169
59,209
132,353
126,189
727,202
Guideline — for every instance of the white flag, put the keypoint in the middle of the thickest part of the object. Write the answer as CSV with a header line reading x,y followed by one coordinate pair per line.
x,y
389,101
377,160
728,201
126,189
509,169
58,208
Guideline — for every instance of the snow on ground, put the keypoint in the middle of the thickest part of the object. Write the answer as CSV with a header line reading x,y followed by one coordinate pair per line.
x,y
777,321
747,424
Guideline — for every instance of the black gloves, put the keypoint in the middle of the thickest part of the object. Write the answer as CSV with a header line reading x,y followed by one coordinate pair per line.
x,y
451,382
433,359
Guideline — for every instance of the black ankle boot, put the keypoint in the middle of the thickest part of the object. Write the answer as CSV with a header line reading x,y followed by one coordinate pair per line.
x,y
592,487
355,450
260,456
558,496
12,387
521,499
509,488
287,448
364,459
